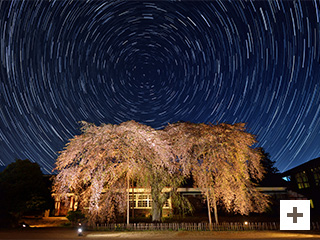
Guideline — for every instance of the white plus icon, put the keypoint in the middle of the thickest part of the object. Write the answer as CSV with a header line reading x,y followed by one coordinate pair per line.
x,y
294,214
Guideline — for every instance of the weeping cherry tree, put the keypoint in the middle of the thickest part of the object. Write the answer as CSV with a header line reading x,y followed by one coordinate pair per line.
x,y
222,162
97,165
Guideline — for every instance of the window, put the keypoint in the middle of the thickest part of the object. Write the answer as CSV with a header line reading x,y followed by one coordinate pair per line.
x,y
302,180
144,201
132,203
166,204
140,201
316,174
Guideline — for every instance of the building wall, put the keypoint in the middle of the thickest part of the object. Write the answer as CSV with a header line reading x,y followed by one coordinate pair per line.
x,y
142,204
305,180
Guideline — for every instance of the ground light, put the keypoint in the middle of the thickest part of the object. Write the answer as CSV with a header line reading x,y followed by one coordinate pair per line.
x,y
80,231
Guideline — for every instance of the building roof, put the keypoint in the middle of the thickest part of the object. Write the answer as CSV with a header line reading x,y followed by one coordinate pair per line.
x,y
307,165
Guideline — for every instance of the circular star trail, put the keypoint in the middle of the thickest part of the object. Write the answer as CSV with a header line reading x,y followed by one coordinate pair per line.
x,y
159,62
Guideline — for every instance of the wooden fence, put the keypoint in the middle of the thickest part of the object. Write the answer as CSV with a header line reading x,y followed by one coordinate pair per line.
x,y
232,226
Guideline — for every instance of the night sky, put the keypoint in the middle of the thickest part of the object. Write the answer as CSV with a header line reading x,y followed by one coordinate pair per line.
x,y
158,62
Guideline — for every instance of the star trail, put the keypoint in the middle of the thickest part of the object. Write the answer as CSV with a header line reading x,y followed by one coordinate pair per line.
x,y
159,62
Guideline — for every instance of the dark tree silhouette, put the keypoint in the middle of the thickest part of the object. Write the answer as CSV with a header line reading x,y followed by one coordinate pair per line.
x,y
272,177
23,190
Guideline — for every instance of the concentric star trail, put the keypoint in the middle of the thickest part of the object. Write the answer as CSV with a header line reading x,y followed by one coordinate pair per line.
x,y
158,62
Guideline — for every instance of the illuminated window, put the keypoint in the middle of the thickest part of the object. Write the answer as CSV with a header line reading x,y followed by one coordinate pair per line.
x,y
311,203
143,201
132,203
167,204
302,180
316,175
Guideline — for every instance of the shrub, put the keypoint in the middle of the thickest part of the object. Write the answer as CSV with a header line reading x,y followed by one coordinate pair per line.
x,y
75,216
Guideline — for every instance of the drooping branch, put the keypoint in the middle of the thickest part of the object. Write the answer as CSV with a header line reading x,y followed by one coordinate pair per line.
x,y
95,165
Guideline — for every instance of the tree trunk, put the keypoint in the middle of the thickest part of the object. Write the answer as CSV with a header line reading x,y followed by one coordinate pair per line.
x,y
156,211
128,202
209,211
215,209
133,200
156,204
208,204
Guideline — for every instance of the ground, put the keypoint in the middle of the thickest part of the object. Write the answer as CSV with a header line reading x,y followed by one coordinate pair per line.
x,y
45,221
50,228
71,233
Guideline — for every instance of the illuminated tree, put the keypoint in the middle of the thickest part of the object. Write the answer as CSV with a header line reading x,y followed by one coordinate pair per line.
x,y
222,163
98,164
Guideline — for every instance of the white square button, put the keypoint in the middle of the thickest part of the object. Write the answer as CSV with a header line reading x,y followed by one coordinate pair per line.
x,y
294,214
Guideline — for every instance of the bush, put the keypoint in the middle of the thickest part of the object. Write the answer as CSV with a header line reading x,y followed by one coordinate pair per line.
x,y
75,216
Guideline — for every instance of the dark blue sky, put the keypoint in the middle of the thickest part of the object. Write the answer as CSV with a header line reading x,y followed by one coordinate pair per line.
x,y
159,62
